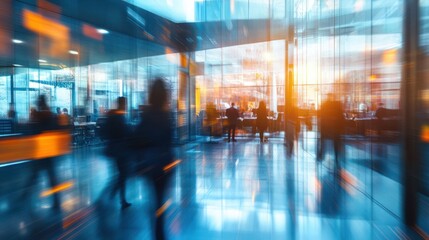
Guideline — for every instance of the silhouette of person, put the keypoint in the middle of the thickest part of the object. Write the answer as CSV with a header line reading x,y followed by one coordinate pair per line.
x,y
232,115
32,116
67,116
261,120
154,140
380,114
117,147
212,115
63,118
58,110
293,129
331,126
44,120
11,114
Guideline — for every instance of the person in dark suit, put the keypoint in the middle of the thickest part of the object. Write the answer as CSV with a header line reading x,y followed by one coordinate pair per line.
x,y
261,120
117,134
332,123
153,139
232,115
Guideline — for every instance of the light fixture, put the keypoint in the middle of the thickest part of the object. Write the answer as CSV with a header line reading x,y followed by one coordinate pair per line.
x,y
73,52
42,61
17,41
17,65
102,31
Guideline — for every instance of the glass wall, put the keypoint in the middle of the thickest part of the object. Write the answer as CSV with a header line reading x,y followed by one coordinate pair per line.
x,y
83,68
352,49
245,75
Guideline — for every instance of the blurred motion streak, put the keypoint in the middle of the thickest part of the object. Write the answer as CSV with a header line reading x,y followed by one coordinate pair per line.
x,y
350,182
48,6
172,165
5,22
52,144
390,56
59,188
318,187
47,144
425,133
91,32
69,204
17,148
75,217
164,207
58,33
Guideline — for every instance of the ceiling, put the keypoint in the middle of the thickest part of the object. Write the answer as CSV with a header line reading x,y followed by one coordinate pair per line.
x,y
65,25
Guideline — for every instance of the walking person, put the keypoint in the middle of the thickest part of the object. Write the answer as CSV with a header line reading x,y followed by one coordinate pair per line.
x,y
43,120
153,138
118,134
331,127
232,115
261,120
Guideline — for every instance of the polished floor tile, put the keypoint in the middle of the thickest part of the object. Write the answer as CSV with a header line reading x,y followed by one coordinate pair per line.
x,y
244,190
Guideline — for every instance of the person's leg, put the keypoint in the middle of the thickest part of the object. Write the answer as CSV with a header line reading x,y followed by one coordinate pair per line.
x,y
229,133
161,205
337,150
233,133
321,148
122,177
49,165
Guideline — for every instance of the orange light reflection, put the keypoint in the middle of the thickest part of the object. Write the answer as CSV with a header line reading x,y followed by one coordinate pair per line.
x,y
59,188
57,32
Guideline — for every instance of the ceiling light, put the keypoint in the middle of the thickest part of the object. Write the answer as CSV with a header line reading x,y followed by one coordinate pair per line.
x,y
17,65
73,52
42,61
102,31
17,41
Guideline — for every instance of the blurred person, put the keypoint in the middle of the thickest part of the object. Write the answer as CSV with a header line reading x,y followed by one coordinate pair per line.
x,y
261,120
66,113
212,115
11,114
32,116
232,115
44,120
382,124
331,127
380,115
117,135
154,142
293,129
63,118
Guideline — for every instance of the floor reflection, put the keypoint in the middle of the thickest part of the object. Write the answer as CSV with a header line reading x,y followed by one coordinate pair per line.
x,y
241,190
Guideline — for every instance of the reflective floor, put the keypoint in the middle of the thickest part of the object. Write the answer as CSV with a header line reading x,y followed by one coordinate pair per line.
x,y
242,190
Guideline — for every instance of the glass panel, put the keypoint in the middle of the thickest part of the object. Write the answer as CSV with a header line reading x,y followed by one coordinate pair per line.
x,y
4,95
245,75
423,196
350,50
